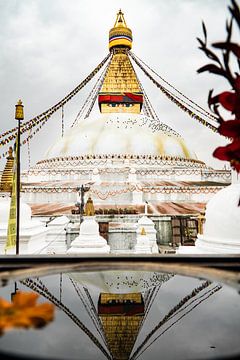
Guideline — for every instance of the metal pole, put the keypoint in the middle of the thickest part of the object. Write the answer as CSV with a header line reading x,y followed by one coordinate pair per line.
x,y
81,204
18,116
18,188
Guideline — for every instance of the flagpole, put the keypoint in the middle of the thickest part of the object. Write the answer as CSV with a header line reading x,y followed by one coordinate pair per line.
x,y
18,116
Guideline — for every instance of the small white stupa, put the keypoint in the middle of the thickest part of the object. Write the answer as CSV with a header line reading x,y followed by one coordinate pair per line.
x,y
143,245
89,240
221,232
146,223
32,232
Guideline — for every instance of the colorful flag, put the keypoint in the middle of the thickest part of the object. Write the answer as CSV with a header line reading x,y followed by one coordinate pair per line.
x,y
12,222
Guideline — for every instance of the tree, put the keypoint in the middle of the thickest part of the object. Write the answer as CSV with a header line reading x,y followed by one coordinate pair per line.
x,y
222,65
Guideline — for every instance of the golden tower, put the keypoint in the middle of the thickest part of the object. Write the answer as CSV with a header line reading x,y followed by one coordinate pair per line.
x,y
120,91
7,175
121,316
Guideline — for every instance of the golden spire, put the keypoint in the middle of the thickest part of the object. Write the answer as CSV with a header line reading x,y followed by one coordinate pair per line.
x,y
120,35
121,91
89,207
120,21
7,175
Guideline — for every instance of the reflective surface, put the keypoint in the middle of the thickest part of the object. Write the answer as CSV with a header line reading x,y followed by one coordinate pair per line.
x,y
127,315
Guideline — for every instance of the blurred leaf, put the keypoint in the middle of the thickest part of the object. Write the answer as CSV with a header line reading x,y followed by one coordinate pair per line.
x,y
201,42
235,11
210,54
212,69
229,31
235,48
204,31
210,97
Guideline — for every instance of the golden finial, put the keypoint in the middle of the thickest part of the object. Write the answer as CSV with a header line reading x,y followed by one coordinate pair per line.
x,y
120,35
143,232
89,207
19,111
10,152
120,21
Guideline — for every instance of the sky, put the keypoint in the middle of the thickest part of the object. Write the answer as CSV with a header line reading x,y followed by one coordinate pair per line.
x,y
49,47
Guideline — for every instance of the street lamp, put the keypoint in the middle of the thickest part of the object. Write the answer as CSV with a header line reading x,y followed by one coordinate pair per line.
x,y
18,116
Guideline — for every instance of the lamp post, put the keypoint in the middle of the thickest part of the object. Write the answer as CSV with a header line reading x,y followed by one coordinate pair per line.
x,y
18,116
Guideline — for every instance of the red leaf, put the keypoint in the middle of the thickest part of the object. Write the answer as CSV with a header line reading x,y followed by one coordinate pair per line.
x,y
234,148
230,128
237,82
228,100
236,166
235,48
230,153
221,153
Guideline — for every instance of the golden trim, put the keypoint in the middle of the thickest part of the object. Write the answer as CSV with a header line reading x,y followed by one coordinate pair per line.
x,y
120,42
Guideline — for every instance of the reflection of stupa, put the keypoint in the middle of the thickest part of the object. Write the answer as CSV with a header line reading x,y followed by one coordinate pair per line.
x,y
114,321
125,154
121,316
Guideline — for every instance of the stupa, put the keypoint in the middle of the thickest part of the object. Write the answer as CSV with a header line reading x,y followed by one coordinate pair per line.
x,y
149,227
143,245
221,231
32,232
89,239
125,155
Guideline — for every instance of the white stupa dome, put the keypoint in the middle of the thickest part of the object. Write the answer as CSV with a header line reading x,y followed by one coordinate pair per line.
x,y
223,214
119,133
222,227
144,220
89,226
89,239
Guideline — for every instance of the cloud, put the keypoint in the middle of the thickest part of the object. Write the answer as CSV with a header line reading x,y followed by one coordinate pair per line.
x,y
48,47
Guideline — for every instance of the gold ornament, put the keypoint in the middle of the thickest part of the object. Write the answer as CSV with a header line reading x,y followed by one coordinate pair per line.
x,y
89,207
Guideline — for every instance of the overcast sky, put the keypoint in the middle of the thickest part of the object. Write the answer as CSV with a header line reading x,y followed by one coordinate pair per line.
x,y
49,46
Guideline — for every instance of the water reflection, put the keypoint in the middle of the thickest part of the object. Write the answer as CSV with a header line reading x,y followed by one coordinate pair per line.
x,y
130,315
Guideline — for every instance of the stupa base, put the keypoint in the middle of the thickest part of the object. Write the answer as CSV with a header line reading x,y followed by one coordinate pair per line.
x,y
85,250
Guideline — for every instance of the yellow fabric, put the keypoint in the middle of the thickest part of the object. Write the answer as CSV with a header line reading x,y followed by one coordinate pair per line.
x,y
12,224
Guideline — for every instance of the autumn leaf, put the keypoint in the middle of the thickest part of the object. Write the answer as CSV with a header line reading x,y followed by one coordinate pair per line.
x,y
230,128
24,312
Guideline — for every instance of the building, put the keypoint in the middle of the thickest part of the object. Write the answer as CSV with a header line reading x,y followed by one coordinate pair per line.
x,y
127,157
